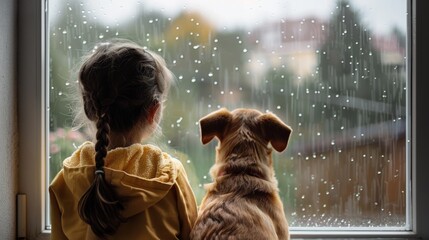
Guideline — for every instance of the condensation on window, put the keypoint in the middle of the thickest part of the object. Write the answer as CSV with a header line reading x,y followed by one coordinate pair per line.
x,y
335,71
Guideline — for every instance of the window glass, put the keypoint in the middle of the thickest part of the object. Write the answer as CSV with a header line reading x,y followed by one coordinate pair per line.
x,y
335,71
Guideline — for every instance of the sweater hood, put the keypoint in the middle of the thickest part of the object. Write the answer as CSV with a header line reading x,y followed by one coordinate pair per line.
x,y
141,175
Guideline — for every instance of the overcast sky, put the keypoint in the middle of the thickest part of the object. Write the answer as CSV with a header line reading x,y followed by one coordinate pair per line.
x,y
379,15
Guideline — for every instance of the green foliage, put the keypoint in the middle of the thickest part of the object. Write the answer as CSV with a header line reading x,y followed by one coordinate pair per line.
x,y
62,143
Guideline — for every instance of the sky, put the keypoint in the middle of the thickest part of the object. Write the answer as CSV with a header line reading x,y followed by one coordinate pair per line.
x,y
380,15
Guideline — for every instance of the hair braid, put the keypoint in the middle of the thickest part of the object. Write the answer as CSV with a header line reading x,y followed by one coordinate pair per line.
x,y
102,136
99,206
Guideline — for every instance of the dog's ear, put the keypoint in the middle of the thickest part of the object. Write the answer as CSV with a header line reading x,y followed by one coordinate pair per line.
x,y
213,125
275,131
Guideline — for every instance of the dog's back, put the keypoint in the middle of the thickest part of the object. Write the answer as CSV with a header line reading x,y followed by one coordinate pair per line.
x,y
234,219
243,200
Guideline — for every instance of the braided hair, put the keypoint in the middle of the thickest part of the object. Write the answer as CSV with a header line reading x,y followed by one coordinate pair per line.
x,y
119,82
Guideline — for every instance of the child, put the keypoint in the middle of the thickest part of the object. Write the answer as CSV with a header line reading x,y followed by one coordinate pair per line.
x,y
118,188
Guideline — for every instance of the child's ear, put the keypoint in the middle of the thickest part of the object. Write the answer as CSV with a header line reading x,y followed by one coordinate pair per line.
x,y
213,125
152,112
275,131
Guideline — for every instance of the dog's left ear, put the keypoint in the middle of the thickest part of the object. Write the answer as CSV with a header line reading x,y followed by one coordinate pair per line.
x,y
275,131
213,125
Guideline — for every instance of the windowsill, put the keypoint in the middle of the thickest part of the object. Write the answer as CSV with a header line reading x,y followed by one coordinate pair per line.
x,y
45,235
323,235
352,235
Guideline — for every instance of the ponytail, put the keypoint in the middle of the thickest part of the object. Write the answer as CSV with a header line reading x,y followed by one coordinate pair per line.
x,y
99,206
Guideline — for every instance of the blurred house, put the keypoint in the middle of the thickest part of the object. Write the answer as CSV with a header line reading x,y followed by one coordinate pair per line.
x,y
291,44
392,53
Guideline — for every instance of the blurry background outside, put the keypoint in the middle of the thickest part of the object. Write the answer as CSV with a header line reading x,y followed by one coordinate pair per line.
x,y
335,71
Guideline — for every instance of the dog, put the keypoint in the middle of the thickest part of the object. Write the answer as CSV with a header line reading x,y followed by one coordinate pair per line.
x,y
242,202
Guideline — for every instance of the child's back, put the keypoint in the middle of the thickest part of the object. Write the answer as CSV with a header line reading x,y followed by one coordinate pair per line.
x,y
151,186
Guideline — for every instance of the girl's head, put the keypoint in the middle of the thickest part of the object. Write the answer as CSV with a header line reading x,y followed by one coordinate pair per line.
x,y
123,88
125,84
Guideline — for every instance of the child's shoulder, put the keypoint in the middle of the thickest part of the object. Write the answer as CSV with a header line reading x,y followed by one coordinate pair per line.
x,y
166,157
157,157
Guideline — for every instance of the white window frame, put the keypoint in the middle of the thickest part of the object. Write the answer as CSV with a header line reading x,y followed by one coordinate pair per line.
x,y
32,112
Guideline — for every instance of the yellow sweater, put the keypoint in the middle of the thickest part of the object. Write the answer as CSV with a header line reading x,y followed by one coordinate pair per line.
x,y
151,185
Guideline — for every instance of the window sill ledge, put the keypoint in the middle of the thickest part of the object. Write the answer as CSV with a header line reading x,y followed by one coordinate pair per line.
x,y
353,235
325,235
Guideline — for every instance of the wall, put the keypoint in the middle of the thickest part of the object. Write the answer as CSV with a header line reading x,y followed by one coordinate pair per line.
x,y
8,118
420,109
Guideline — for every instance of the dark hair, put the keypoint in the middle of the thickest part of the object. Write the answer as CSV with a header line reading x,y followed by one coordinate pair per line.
x,y
119,82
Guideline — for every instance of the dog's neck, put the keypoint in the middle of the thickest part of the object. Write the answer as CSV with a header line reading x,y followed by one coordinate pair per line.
x,y
245,165
250,161
243,179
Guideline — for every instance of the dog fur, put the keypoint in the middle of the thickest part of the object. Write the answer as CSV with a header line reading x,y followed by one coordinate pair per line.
x,y
242,202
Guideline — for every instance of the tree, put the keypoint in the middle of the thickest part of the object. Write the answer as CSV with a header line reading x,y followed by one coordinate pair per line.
x,y
351,68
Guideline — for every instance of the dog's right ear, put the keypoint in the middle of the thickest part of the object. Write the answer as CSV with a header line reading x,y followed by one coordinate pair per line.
x,y
213,125
275,131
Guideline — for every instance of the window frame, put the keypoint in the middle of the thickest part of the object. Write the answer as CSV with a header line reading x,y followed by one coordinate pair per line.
x,y
31,102
32,111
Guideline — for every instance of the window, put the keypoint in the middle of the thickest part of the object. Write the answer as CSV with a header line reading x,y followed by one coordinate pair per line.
x,y
337,74
266,68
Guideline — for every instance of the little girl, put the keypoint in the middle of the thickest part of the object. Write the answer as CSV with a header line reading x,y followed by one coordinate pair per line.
x,y
118,188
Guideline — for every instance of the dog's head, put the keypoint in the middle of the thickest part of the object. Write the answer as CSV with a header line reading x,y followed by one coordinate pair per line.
x,y
245,125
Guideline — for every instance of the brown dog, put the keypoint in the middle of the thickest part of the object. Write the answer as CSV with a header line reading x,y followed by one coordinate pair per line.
x,y
243,201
